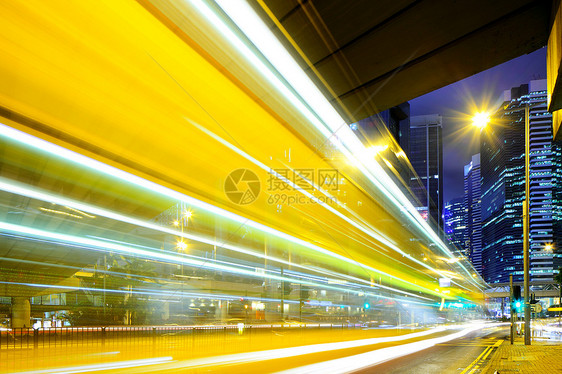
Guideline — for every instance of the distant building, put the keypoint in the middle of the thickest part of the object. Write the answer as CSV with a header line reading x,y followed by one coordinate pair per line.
x,y
503,189
472,202
426,157
454,223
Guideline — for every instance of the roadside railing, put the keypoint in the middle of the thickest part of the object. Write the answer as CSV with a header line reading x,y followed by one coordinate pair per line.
x,y
27,338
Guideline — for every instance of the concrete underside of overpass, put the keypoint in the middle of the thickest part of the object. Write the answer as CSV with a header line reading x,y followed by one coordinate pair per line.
x,y
372,55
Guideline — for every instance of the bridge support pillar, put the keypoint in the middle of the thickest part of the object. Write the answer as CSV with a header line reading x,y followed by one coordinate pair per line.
x,y
21,312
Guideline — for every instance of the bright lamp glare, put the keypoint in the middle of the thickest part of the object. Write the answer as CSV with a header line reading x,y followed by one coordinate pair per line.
x,y
181,245
376,149
481,119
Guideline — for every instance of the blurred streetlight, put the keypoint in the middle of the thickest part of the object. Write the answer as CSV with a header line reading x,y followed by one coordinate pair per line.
x,y
481,119
374,150
181,245
548,247
182,221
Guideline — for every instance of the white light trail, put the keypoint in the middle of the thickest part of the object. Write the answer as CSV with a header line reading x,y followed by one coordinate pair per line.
x,y
240,358
15,188
364,360
156,254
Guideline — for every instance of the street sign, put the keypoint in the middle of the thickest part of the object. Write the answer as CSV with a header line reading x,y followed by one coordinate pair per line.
x,y
536,308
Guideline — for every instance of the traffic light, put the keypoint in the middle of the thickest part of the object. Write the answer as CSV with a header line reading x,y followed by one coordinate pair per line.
x,y
517,301
516,293
366,305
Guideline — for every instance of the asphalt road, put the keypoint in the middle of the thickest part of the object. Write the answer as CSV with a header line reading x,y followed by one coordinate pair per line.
x,y
467,355
278,350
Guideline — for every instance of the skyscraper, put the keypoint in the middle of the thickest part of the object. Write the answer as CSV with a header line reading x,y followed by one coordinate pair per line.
x,y
426,156
545,204
472,202
503,188
454,223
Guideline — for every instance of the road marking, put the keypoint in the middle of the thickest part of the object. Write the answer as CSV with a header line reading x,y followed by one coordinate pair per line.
x,y
475,361
482,357
473,370
486,355
464,345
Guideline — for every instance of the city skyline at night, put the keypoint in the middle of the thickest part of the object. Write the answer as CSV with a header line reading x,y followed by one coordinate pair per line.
x,y
242,186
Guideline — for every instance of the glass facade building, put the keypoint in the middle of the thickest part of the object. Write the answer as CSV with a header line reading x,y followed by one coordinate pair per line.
x,y
503,188
426,156
472,205
454,223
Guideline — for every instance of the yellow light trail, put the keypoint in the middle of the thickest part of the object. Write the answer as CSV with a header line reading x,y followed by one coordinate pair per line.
x,y
109,89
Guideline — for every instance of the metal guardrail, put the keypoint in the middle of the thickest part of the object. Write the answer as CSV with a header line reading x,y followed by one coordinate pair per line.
x,y
27,338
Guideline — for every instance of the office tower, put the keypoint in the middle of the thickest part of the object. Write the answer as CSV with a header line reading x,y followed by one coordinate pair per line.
x,y
472,202
503,188
426,156
454,223
545,204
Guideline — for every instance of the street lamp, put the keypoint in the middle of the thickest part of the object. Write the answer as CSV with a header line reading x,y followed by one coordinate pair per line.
x,y
480,120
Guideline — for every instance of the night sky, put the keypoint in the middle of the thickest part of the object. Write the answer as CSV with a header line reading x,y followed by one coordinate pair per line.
x,y
453,102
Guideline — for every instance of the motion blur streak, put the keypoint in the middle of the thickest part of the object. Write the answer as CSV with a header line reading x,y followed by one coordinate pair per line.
x,y
6,185
162,167
368,230
295,351
339,134
356,362
154,254
100,367
124,176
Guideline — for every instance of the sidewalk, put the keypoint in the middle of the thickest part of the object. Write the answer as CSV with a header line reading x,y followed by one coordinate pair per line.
x,y
543,356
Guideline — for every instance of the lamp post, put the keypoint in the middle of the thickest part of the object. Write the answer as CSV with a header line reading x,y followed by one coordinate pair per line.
x,y
526,259
481,120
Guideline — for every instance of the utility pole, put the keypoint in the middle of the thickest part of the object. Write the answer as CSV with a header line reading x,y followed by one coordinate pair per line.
x,y
526,260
